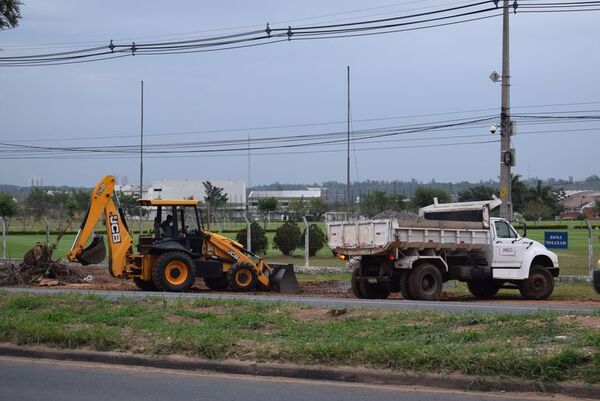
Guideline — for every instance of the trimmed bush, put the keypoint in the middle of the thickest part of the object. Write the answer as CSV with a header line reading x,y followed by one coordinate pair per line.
x,y
259,238
287,237
316,239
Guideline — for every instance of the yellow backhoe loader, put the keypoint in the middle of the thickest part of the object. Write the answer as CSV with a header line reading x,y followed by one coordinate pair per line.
x,y
176,252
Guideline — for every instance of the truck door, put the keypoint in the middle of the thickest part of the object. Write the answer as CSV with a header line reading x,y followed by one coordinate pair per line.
x,y
508,250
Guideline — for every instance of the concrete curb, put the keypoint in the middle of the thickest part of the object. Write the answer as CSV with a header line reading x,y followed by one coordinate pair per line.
x,y
310,372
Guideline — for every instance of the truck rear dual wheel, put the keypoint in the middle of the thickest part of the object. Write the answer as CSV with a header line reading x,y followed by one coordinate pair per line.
x,y
403,284
539,285
365,290
483,288
174,272
425,282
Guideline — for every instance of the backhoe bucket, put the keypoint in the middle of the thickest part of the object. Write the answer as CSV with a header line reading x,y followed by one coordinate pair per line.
x,y
94,253
283,278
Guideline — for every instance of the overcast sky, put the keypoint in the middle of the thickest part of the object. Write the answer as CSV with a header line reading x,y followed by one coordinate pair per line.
x,y
554,60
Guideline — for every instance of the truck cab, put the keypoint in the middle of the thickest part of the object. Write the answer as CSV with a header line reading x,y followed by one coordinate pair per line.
x,y
511,256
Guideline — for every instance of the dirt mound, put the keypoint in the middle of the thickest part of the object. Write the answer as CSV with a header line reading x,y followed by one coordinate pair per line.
x,y
38,267
396,214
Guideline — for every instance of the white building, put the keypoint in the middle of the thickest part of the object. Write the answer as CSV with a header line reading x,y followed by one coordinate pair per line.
x,y
283,197
194,189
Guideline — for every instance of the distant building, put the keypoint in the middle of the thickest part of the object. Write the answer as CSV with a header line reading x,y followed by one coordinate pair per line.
x,y
35,182
283,197
194,189
580,202
132,190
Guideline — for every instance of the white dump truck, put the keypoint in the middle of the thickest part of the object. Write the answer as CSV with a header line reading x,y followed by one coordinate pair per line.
x,y
450,241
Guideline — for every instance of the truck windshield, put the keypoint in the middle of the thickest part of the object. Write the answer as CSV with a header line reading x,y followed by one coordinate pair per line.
x,y
503,230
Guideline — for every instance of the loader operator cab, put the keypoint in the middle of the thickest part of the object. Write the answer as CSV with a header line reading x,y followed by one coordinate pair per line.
x,y
175,221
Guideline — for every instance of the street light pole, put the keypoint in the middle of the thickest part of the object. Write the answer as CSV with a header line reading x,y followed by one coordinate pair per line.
x,y
506,157
141,151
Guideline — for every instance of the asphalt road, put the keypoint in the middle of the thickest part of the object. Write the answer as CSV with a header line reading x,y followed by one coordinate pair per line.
x,y
444,306
35,380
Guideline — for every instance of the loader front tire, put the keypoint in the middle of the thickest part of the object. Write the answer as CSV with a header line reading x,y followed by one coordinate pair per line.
x,y
173,272
241,277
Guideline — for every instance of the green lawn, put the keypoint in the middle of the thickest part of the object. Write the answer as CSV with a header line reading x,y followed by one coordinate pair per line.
x,y
543,347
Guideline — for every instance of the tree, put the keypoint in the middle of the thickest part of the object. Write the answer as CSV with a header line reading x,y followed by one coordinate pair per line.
x,y
378,201
477,193
424,196
38,202
316,239
10,13
259,238
287,237
128,203
597,207
215,196
519,192
317,207
265,205
8,207
297,208
82,199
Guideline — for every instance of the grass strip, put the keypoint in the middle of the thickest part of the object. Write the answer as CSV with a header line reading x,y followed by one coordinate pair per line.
x,y
544,347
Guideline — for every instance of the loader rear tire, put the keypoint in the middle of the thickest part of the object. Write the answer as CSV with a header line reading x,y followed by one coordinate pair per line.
x,y
241,277
484,289
173,272
216,284
144,285
539,285
425,282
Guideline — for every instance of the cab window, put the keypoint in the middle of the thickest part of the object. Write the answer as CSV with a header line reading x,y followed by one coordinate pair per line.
x,y
503,230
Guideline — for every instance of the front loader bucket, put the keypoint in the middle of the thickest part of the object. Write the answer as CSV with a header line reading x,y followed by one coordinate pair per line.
x,y
283,278
597,280
94,253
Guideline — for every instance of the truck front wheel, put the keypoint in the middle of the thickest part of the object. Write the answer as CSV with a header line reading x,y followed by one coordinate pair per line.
x,y
483,288
425,282
539,285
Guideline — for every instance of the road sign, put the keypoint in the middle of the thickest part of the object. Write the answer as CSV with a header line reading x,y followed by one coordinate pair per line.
x,y
494,76
557,240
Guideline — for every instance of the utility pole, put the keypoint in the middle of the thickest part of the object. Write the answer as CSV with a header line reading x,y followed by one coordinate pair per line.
x,y
141,152
506,156
348,200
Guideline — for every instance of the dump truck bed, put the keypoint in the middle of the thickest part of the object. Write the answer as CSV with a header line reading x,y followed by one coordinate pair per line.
x,y
371,237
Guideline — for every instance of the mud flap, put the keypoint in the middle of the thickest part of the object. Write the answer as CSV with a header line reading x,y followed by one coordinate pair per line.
x,y
283,278
94,253
596,280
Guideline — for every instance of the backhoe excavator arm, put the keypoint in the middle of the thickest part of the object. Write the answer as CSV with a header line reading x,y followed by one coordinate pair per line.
x,y
119,239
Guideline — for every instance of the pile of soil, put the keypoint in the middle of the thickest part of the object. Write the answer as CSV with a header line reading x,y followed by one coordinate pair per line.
x,y
396,214
38,267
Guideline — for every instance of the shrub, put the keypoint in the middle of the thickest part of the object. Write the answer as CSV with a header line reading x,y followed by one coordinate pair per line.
x,y
259,239
316,239
287,237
